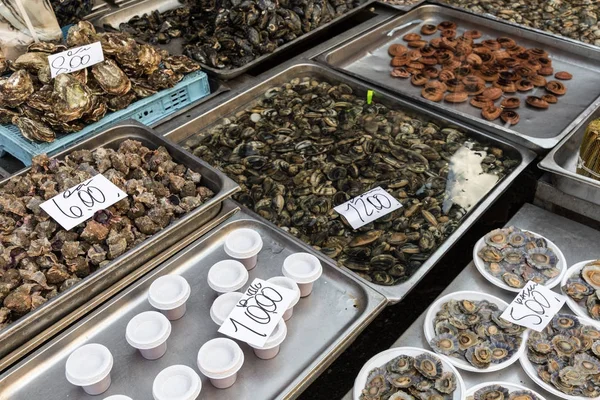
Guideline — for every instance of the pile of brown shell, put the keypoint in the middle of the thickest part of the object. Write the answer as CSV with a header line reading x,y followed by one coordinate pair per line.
x,y
517,256
480,73
499,392
474,331
567,356
39,259
406,377
41,106
584,288
310,145
232,33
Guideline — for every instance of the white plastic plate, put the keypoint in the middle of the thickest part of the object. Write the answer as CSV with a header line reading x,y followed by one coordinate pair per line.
x,y
510,386
572,303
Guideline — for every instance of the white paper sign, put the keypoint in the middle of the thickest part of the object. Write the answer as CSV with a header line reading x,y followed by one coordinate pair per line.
x,y
368,207
75,59
534,307
79,203
258,312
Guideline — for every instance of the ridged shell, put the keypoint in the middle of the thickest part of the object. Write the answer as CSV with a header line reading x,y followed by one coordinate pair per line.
x,y
591,274
429,366
492,392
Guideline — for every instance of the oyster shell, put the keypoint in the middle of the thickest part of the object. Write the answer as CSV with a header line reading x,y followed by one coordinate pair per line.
x,y
111,78
16,89
33,130
71,98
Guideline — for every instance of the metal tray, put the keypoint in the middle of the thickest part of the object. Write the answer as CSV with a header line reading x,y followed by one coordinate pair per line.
x,y
41,318
323,325
365,56
114,19
285,73
561,162
406,7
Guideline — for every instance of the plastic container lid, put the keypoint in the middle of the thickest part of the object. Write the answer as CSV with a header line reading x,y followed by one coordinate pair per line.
x,y
302,267
118,397
227,276
277,336
287,283
220,358
243,243
177,382
168,292
223,305
88,364
147,330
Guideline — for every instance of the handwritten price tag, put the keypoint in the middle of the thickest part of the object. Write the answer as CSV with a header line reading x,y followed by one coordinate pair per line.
x,y
258,312
75,59
534,307
79,203
368,207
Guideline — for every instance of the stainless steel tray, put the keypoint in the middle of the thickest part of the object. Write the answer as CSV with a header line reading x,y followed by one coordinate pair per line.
x,y
285,73
41,318
561,162
323,325
114,19
365,56
406,7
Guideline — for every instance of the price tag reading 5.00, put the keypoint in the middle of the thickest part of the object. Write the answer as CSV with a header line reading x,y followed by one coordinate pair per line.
x,y
75,59
258,312
534,307
79,203
368,207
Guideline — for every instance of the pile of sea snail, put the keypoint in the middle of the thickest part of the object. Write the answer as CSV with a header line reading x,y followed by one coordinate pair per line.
x,y
474,331
499,392
575,19
584,288
566,355
406,377
309,145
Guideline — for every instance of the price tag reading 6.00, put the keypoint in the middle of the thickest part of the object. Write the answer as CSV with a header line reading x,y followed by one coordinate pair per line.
x,y
368,207
75,59
258,312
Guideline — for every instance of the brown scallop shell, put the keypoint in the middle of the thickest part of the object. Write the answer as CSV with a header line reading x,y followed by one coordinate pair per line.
x,y
399,61
533,64
511,103
524,56
446,25
492,93
410,37
431,72
400,72
557,88
456,97
448,33
524,85
472,80
435,42
428,29
481,49
427,51
537,52
463,50
487,58
415,65
433,94
492,44
480,101
510,62
524,71
516,50
413,71
506,42
445,75
546,71
472,34
428,60
413,55
509,76
448,43
563,75
455,85
506,86
536,102
487,75
417,44
397,49
550,98
500,54
510,117
491,112
418,79
464,40
437,84
474,59
538,80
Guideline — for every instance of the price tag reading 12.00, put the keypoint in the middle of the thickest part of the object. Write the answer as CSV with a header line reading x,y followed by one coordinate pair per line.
x,y
77,204
258,312
534,307
368,207
75,59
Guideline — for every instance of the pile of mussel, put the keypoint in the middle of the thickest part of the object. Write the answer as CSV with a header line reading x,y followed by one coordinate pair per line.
x,y
232,33
42,106
310,145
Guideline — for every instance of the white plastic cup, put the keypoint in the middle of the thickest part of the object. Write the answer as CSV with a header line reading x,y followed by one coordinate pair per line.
x,y
220,360
223,306
177,382
290,284
227,276
148,332
244,245
304,269
169,295
89,367
271,347
118,397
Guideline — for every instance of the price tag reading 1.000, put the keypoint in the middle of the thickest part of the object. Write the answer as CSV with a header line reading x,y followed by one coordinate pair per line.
x,y
534,307
79,203
75,59
368,207
258,312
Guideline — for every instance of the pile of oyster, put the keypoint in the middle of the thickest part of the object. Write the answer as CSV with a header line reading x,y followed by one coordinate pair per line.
x,y
310,145
41,106
499,392
474,331
39,259
406,377
232,33
567,356
517,256
584,288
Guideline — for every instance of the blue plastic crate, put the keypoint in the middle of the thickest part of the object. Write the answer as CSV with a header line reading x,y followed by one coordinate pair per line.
x,y
149,110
